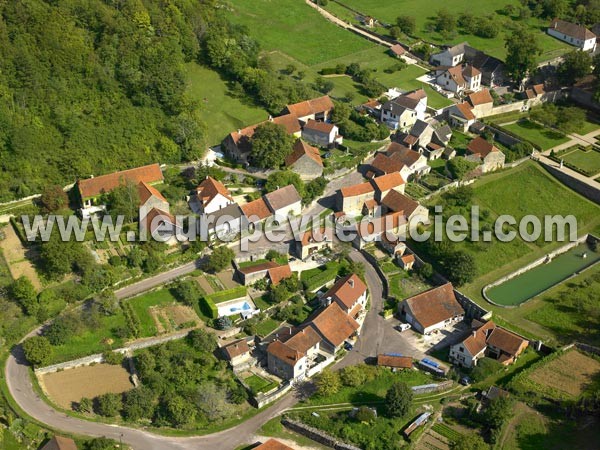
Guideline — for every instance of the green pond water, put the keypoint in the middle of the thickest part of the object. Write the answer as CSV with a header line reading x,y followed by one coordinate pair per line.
x,y
537,280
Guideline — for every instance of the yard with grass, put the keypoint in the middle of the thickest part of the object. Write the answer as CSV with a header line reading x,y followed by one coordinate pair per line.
x,y
546,138
219,108
141,306
403,285
266,327
259,384
587,159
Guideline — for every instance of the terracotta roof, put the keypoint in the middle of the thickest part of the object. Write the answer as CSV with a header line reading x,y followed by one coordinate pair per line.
x,y
372,104
92,187
284,352
156,218
388,181
417,94
398,362
209,189
378,225
475,343
506,341
323,127
407,259
398,202
434,146
60,443
456,73
386,164
272,444
480,147
310,107
334,324
282,197
481,98
397,50
538,89
410,139
403,154
276,274
325,234
347,290
434,306
370,204
572,29
465,110
236,348
146,191
304,339
301,149
529,93
357,189
289,121
256,209
260,267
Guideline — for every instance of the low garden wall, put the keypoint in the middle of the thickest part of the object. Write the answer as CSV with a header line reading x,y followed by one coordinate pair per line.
x,y
261,399
590,192
317,435
373,261
427,388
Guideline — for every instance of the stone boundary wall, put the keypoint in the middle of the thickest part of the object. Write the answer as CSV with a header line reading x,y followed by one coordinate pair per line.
x,y
261,399
373,261
427,388
588,348
534,264
317,435
579,186
472,309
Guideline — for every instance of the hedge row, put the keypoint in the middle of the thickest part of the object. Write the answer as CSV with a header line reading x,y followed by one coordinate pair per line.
x,y
208,308
231,294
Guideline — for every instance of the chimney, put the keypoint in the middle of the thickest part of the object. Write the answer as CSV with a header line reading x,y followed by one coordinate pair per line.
x,y
91,176
351,281
270,118
474,333
239,131
328,301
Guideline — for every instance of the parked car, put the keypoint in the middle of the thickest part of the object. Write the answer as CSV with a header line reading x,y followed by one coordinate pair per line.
x,y
348,346
403,327
465,381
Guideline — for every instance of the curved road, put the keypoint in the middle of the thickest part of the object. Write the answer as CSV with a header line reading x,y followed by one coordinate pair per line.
x,y
20,386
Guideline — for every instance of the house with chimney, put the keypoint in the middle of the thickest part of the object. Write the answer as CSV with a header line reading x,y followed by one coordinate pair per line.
x,y
432,310
350,293
323,134
210,196
399,158
305,160
256,211
291,358
334,326
574,34
318,109
314,241
486,154
488,339
236,353
458,79
403,111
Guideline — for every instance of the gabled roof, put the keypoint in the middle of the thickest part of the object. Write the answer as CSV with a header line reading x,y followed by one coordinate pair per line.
x,y
284,352
256,209
232,211
403,154
434,306
236,348
92,187
324,234
301,149
210,188
481,97
506,341
397,202
470,71
276,274
310,107
272,444
242,137
571,29
321,127
465,110
480,147
397,50
347,290
155,218
289,121
409,100
397,362
60,443
418,128
303,340
538,89
388,181
357,189
382,224
476,342
443,134
146,192
334,324
386,164
456,73
282,197
407,259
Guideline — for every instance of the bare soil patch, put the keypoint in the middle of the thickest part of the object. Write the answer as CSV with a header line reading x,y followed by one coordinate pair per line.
x,y
71,385
16,257
226,279
169,318
571,373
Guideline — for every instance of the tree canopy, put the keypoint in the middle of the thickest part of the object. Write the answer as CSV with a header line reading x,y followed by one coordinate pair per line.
x,y
271,144
522,49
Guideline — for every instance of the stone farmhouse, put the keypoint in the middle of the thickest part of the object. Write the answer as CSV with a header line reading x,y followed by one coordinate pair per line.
x,y
458,79
403,111
313,242
488,339
237,353
401,159
486,154
210,196
284,201
318,109
573,34
305,160
481,103
492,69
323,134
460,116
428,138
432,310
270,270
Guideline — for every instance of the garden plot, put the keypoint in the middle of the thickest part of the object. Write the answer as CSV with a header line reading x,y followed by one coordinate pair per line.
x,y
173,317
568,375
16,257
71,385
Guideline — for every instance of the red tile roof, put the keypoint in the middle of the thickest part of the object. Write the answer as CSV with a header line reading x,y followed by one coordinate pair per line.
x,y
304,340
146,191
310,107
256,210
397,202
357,189
538,89
301,149
276,274
289,121
210,188
397,50
403,154
480,147
481,97
334,324
347,290
236,348
434,306
325,234
92,187
465,110
476,342
323,127
155,218
388,181
284,352
272,444
407,259
506,341
397,362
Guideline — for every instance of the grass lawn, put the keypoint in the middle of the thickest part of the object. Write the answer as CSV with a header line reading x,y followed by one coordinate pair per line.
x,y
296,29
544,137
219,109
258,384
403,285
141,304
388,11
266,327
274,428
588,160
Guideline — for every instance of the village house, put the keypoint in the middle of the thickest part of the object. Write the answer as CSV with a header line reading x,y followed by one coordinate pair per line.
x,y
486,154
398,158
428,138
392,224
403,111
313,242
451,57
284,201
394,246
488,339
334,326
481,103
397,50
305,160
407,262
273,444
60,443
256,210
271,270
458,79
154,216
573,34
534,94
350,293
291,358
237,144
318,109
236,353
210,196
433,309
351,199
460,116
394,361
323,134
90,191
412,210
492,69
223,222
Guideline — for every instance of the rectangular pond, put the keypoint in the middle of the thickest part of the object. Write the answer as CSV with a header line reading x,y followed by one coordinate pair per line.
x,y
522,287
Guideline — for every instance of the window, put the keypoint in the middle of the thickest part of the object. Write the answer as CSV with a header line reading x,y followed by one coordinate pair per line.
x,y
462,349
